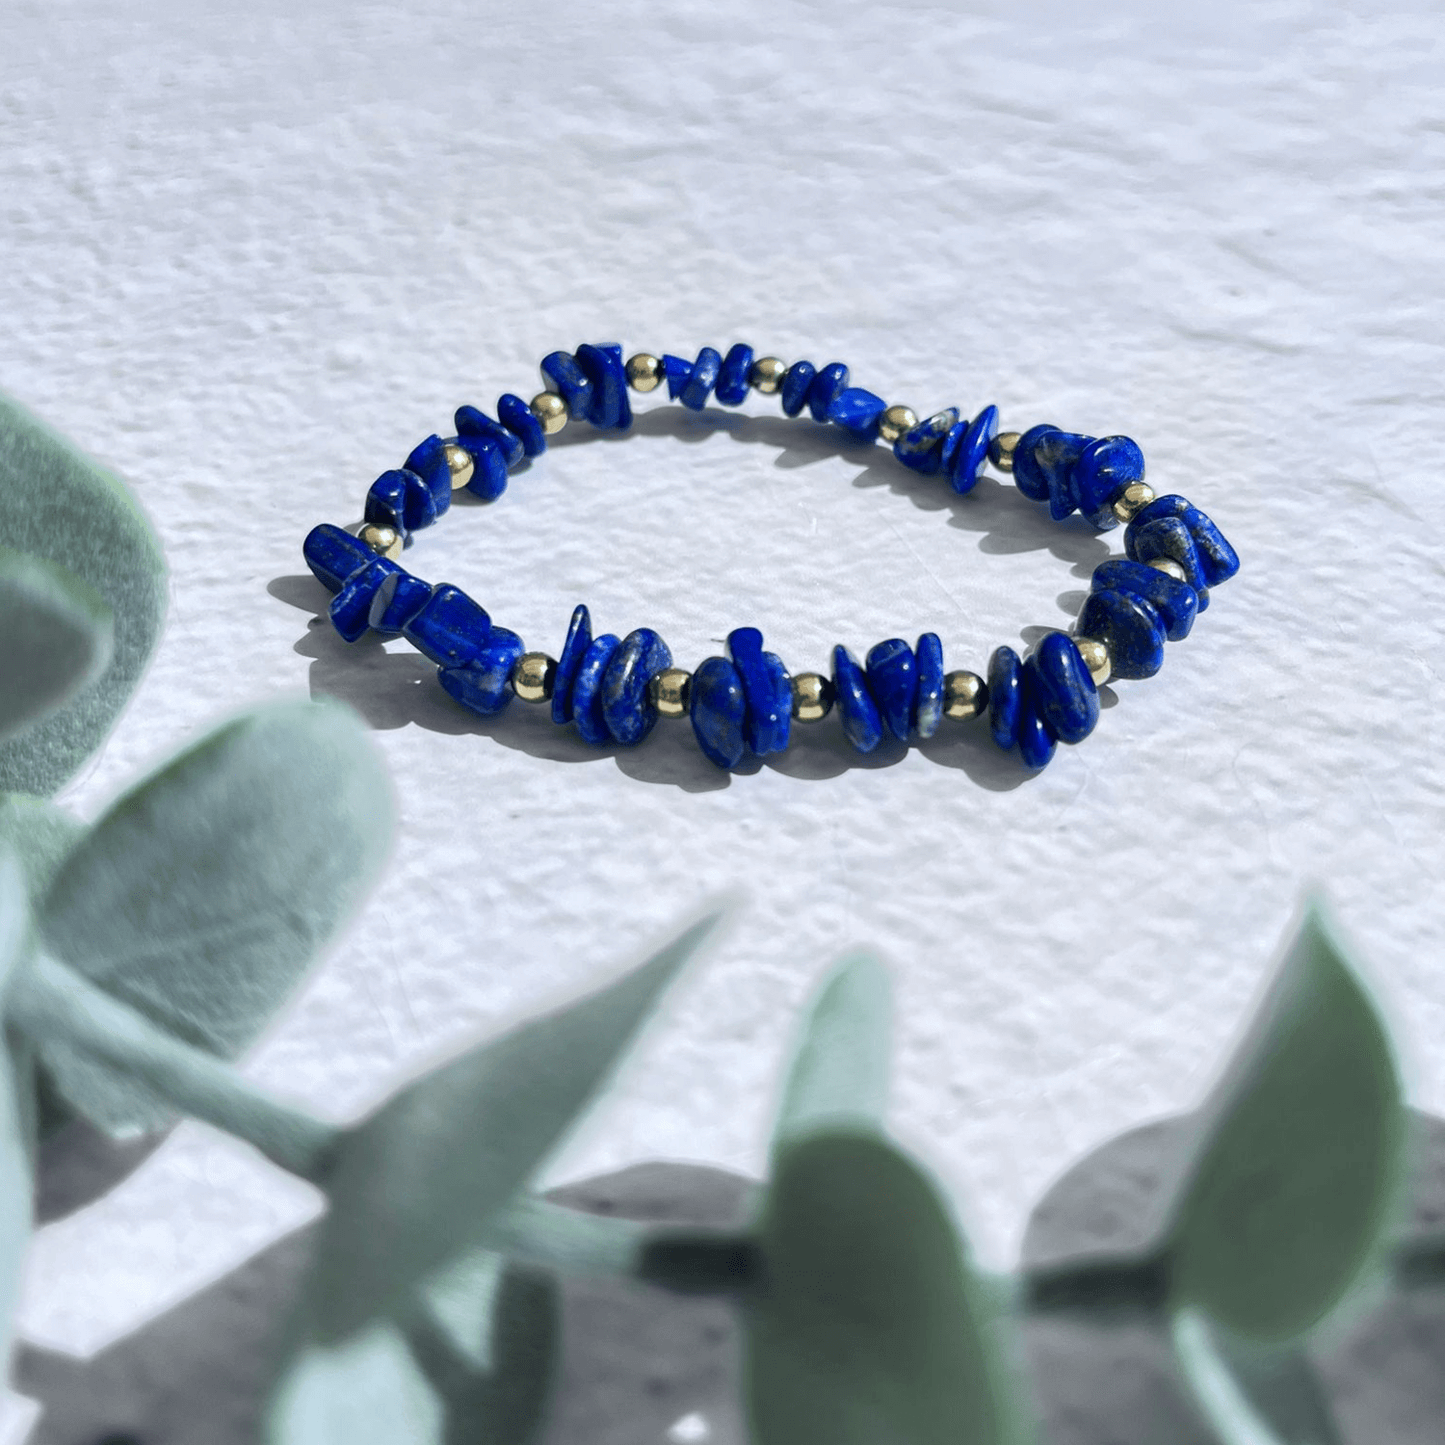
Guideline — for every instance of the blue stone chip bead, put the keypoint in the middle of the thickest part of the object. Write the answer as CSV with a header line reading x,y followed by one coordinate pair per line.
x,y
858,712
470,422
796,383
857,412
1104,468
587,690
1170,537
1217,559
702,380
928,703
1061,688
1005,695
428,460
718,708
517,416
626,707
825,388
892,673
610,409
579,639
921,447
1036,743
569,381
483,684
1055,454
1176,602
1028,476
401,500
767,691
732,377
350,609
397,600
678,372
450,629
489,467
948,452
333,554
963,469
1129,627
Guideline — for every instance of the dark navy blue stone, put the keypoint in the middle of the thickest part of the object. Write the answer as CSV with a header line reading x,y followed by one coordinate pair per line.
x,y
892,673
704,377
922,447
1036,742
1027,474
862,725
483,684
450,629
626,708
969,459
768,721
1129,627
1104,468
579,638
569,381
1061,689
796,382
473,423
678,373
610,410
517,416
1176,602
732,377
333,554
718,708
429,461
587,690
1170,537
400,500
351,607
948,452
825,388
857,412
1055,454
1218,561
397,600
928,705
489,467
1005,695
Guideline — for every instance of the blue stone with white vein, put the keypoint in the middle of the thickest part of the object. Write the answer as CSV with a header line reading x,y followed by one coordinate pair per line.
x,y
428,460
397,600
1058,681
610,409
732,377
1218,561
579,639
921,447
928,703
626,707
399,499
470,422
857,412
484,683
350,609
963,467
1130,628
569,381
767,690
702,379
517,416
857,710
1005,695
718,707
587,690
1176,602
797,381
892,673
450,629
333,554
825,388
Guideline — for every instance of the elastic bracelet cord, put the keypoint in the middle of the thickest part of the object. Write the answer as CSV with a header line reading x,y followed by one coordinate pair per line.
x,y
614,690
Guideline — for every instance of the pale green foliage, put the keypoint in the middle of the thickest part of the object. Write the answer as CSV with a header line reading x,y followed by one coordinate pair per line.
x,y
16,1145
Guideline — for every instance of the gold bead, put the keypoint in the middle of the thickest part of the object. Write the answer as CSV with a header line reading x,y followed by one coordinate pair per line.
x,y
767,374
384,541
669,691
1132,500
1170,568
895,421
459,460
812,697
1096,659
965,695
533,675
1001,450
644,372
550,410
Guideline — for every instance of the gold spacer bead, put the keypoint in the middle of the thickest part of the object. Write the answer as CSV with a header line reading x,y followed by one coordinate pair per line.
x,y
812,697
767,374
533,676
1132,500
644,372
1001,450
895,421
459,461
669,691
1096,659
1170,568
965,695
384,541
550,410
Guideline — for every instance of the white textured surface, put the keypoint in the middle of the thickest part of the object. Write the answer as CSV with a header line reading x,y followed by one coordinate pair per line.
x,y
250,258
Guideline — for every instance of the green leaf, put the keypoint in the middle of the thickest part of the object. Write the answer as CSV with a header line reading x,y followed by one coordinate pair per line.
x,y
432,1168
870,1326
16,1180
203,895
1301,1155
40,835
61,507
56,639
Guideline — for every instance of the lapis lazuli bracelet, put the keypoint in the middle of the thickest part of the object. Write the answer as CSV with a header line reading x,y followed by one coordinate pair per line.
x,y
613,691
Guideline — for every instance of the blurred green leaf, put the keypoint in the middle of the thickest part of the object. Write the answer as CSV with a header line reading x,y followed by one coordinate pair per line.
x,y
40,835
869,1326
203,895
1301,1154
16,1180
61,507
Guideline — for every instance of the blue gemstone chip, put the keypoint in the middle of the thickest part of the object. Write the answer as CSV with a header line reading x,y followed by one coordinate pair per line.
x,y
1104,468
350,609
1217,560
857,711
1130,628
489,466
702,379
963,468
797,382
718,708
333,554
428,460
1176,602
921,447
609,409
397,600
517,416
857,412
892,672
399,499
564,376
450,629
1005,695
483,683
473,423
587,690
732,377
767,691
579,639
825,388
1061,688
928,703
627,710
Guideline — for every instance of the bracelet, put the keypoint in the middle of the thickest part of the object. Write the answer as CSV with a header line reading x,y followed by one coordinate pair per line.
x,y
615,690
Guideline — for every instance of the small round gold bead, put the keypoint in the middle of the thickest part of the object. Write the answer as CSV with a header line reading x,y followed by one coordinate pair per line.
x,y
895,421
767,374
1170,568
812,697
644,372
550,410
669,691
1001,450
1096,659
965,695
459,461
384,541
1132,500
533,675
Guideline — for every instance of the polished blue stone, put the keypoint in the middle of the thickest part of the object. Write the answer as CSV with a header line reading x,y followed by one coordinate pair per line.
x,y
1170,537
579,638
718,708
470,422
678,372
732,377
1005,695
1218,561
610,410
333,554
401,500
1176,602
1062,691
948,452
767,690
569,381
1036,742
862,725
704,377
489,467
429,461
963,468
350,609
796,382
1104,468
517,416
483,684
921,447
626,707
892,673
928,705
1027,474
397,600
825,388
587,690
450,629
1129,627
857,412
1055,454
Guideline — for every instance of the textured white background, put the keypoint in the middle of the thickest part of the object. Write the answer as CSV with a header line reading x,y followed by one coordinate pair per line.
x,y
249,255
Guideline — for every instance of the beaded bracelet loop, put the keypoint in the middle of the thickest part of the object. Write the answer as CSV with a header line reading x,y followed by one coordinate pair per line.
x,y
614,690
